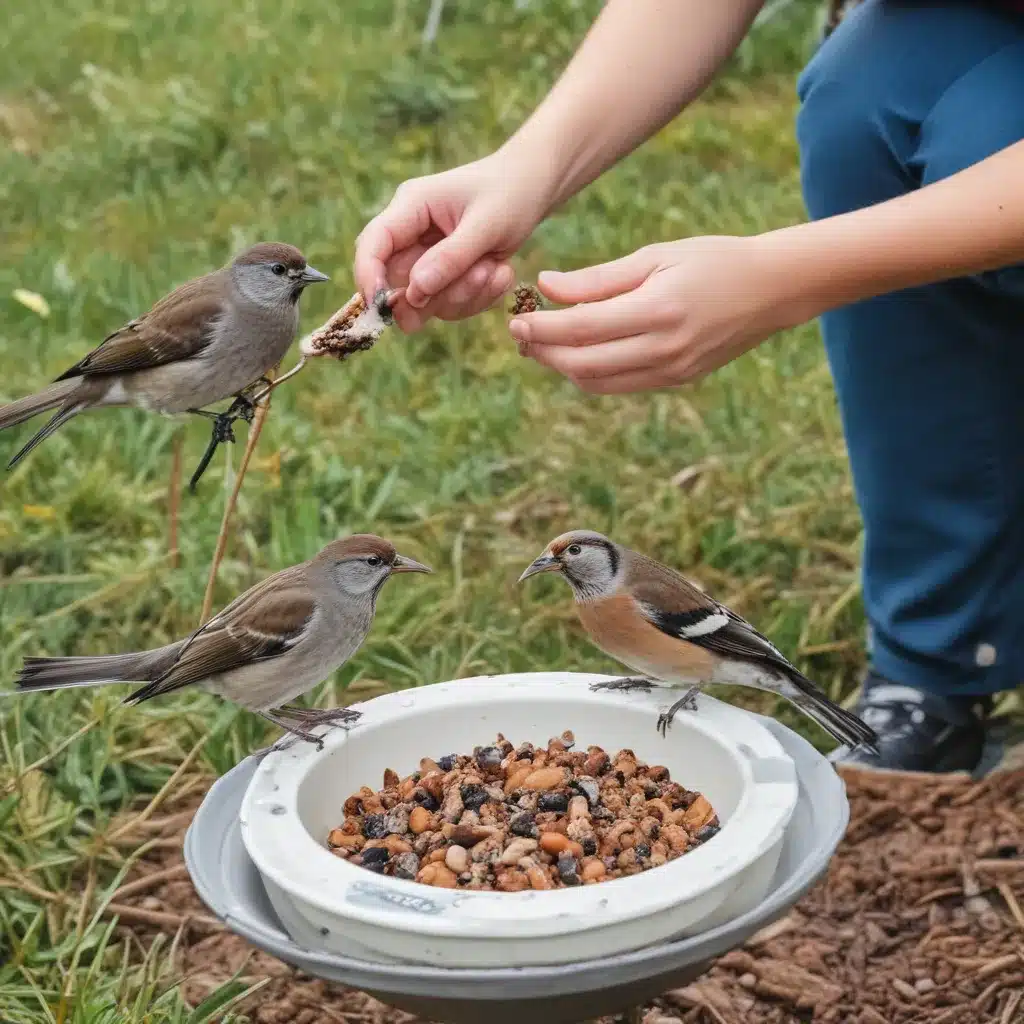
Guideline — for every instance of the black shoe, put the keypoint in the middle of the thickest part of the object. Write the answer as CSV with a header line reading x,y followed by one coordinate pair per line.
x,y
918,731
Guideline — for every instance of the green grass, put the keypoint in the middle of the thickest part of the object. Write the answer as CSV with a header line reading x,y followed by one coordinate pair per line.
x,y
142,143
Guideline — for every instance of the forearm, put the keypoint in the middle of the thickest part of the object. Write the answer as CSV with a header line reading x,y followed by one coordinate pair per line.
x,y
965,224
641,62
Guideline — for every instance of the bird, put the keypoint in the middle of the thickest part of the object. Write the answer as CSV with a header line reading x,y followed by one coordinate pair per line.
x,y
206,341
659,624
266,648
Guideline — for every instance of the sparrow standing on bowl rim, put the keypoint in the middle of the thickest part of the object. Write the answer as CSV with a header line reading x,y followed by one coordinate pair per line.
x,y
209,339
270,645
660,625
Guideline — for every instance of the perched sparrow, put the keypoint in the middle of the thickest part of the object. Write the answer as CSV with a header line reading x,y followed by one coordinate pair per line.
x,y
653,620
208,340
269,646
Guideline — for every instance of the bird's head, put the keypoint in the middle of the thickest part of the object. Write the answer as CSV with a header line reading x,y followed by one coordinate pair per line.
x,y
590,563
273,273
361,564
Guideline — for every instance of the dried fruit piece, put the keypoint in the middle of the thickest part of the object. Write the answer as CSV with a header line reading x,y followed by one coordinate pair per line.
x,y
439,875
420,820
470,835
555,843
544,778
698,814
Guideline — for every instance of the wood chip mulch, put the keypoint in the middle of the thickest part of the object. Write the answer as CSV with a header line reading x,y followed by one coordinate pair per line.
x,y
920,920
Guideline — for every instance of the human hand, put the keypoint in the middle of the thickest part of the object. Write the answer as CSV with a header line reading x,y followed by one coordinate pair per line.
x,y
667,314
444,240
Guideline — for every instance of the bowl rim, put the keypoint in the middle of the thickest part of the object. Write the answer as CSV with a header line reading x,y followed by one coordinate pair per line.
x,y
286,853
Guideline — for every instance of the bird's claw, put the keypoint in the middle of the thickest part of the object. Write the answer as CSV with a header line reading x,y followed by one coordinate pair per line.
x,y
688,702
626,685
223,433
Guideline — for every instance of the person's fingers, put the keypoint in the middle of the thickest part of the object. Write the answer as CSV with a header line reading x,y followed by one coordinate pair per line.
x,y
452,303
444,263
398,226
625,383
464,290
494,288
397,268
497,280
591,323
669,375
624,355
407,319
602,281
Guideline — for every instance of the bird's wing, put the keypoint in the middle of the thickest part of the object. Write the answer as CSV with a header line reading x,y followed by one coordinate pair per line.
x,y
677,607
263,623
179,326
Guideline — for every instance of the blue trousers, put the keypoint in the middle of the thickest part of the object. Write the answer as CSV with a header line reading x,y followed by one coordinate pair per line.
x,y
930,381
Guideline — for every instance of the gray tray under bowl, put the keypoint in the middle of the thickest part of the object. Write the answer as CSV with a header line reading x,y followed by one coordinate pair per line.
x,y
229,884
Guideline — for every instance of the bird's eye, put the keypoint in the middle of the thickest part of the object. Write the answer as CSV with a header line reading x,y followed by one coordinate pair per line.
x,y
574,549
279,268
374,560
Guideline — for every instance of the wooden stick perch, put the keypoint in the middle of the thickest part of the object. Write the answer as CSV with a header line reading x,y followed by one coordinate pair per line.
x,y
229,507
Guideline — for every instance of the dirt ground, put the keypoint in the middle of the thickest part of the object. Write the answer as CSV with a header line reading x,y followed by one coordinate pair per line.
x,y
920,920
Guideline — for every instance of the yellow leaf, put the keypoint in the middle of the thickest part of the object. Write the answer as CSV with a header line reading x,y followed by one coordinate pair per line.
x,y
271,465
33,301
39,511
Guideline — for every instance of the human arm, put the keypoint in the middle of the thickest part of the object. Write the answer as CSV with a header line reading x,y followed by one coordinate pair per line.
x,y
673,312
446,238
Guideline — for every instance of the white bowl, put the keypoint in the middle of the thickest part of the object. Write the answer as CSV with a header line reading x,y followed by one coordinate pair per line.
x,y
295,798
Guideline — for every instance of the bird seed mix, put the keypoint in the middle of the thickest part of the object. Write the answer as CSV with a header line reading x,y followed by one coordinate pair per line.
x,y
511,818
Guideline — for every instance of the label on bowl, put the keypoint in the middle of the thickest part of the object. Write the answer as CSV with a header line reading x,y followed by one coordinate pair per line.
x,y
369,895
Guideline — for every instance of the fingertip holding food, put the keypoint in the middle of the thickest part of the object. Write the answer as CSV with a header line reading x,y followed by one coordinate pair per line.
x,y
502,278
424,284
519,330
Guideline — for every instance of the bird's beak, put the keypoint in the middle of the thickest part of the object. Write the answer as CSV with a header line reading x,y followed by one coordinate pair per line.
x,y
546,563
403,564
312,276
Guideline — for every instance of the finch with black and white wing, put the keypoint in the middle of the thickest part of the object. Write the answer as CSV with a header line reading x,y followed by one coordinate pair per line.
x,y
661,626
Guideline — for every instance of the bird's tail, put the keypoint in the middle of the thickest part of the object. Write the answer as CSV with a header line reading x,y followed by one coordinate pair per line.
x,y
840,724
39,674
60,396
25,408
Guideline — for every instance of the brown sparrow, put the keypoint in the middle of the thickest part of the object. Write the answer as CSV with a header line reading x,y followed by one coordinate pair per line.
x,y
269,646
208,340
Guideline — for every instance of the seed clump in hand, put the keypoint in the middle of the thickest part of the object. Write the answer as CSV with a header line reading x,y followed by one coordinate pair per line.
x,y
507,818
526,299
